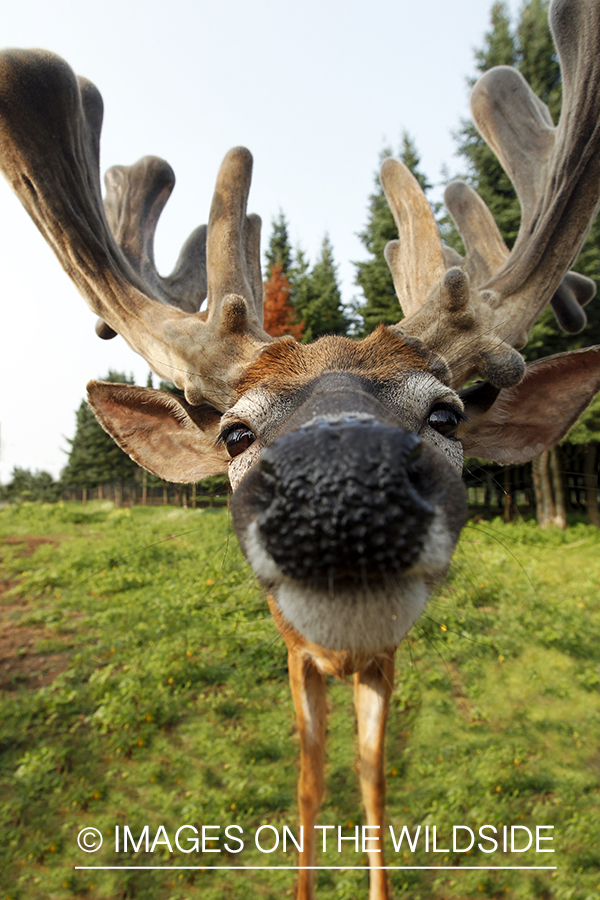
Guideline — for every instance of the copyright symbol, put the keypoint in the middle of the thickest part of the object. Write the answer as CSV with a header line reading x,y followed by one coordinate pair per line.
x,y
89,840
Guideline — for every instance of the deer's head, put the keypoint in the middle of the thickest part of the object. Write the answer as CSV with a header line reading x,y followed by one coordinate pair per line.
x,y
345,456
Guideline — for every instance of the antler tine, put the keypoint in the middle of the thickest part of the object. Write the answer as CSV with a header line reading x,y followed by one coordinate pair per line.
x,y
232,249
485,249
135,198
416,261
438,305
574,292
49,138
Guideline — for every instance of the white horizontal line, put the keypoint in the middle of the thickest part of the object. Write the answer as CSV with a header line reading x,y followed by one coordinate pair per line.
x,y
335,868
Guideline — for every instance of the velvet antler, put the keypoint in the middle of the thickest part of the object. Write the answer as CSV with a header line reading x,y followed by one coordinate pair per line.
x,y
479,315
50,124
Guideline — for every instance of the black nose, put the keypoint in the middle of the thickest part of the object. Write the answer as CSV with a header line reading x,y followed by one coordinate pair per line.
x,y
337,501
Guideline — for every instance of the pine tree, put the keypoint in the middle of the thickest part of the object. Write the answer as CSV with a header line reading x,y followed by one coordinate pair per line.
x,y
299,278
373,275
278,312
499,49
279,309
484,171
537,57
279,251
31,486
318,300
95,458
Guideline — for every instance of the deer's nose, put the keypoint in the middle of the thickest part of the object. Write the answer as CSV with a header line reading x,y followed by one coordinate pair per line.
x,y
337,501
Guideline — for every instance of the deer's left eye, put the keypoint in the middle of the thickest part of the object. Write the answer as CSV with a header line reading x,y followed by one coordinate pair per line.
x,y
237,438
445,420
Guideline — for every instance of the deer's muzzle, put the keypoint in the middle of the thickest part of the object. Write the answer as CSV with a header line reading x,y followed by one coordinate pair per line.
x,y
338,502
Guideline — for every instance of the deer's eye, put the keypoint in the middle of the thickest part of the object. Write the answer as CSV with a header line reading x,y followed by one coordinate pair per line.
x,y
237,438
445,420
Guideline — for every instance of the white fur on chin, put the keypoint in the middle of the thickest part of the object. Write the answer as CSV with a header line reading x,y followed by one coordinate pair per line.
x,y
360,618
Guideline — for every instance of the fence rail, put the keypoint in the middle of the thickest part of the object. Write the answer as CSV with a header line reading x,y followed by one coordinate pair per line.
x,y
138,494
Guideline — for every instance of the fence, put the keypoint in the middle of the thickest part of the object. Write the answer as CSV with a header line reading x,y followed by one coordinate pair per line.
x,y
136,493
491,489
509,490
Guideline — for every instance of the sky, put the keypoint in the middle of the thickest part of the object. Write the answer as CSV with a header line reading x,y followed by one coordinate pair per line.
x,y
315,91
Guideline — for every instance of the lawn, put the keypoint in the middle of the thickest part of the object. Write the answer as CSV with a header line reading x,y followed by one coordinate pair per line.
x,y
143,683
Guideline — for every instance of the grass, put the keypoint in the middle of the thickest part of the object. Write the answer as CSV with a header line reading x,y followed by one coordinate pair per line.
x,y
147,686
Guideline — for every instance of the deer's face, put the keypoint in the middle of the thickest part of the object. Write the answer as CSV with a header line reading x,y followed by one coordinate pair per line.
x,y
348,500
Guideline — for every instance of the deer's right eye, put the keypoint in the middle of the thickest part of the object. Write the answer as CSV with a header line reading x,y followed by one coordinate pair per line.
x,y
237,438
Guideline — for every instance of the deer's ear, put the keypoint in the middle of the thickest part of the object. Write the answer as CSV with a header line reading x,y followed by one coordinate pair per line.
x,y
161,432
523,421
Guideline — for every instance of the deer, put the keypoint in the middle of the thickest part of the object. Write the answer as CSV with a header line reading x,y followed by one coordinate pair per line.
x,y
344,456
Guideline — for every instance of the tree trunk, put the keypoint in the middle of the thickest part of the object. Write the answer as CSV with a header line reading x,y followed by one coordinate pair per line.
x,y
118,495
165,496
487,497
543,490
569,479
144,488
507,496
84,495
193,496
560,510
590,478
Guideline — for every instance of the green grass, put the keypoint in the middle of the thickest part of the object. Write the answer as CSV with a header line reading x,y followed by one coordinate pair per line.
x,y
168,705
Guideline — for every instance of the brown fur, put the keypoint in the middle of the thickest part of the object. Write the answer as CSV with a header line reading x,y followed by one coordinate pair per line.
x,y
382,355
308,664
339,663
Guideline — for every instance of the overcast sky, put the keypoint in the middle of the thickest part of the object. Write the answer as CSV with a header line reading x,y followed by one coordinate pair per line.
x,y
315,90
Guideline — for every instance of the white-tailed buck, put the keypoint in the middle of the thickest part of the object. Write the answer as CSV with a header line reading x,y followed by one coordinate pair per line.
x,y
345,456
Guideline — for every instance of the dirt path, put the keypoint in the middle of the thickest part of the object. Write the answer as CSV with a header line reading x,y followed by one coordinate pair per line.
x,y
21,664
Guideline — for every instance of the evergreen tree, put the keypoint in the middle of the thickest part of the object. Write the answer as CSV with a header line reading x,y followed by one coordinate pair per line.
x,y
587,428
318,300
278,313
279,251
95,458
299,278
373,275
499,49
537,57
31,486
484,171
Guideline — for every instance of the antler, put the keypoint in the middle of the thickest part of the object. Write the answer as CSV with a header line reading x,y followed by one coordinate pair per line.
x,y
486,253
480,315
50,124
135,197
